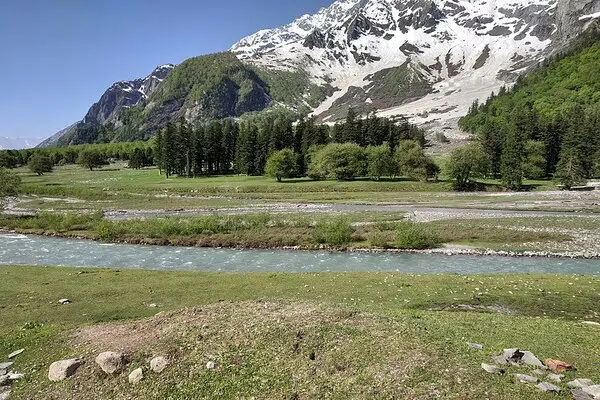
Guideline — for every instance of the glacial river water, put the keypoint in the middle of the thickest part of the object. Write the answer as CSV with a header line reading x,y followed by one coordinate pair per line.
x,y
38,250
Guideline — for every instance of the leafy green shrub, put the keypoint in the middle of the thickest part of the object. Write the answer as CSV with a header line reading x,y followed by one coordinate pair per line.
x,y
380,240
410,235
336,232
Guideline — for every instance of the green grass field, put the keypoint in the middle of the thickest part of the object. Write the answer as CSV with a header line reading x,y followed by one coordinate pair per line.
x,y
273,336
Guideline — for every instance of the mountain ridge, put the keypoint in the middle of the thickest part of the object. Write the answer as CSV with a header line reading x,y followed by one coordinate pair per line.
x,y
425,59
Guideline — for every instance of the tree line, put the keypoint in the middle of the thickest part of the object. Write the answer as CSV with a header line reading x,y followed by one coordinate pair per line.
x,y
547,125
244,146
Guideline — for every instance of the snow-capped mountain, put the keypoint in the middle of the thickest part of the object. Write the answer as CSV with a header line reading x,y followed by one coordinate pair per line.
x,y
429,59
107,110
16,143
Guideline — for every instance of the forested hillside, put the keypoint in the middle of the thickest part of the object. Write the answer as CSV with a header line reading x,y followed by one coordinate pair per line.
x,y
548,123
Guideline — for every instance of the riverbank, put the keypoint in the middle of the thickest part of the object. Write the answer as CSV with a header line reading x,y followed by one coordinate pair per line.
x,y
370,335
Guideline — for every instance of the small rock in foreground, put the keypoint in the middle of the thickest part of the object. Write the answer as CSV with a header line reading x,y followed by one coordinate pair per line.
x,y
539,372
593,391
63,369
555,377
136,376
15,376
526,378
15,353
110,362
581,395
159,364
580,383
4,380
4,395
64,301
475,346
5,365
591,323
491,369
211,365
548,387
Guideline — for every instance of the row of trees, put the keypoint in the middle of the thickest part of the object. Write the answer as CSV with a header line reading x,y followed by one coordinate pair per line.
x,y
346,161
225,146
141,152
548,124
530,146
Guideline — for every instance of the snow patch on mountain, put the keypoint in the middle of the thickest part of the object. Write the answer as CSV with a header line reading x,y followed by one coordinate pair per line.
x,y
462,49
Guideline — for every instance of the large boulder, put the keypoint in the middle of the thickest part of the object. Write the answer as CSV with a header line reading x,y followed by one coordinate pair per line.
x,y
111,362
61,370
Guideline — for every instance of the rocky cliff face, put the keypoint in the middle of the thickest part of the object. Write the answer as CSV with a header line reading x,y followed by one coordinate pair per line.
x,y
108,110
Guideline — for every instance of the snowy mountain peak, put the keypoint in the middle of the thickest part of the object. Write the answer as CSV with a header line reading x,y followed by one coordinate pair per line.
x,y
426,58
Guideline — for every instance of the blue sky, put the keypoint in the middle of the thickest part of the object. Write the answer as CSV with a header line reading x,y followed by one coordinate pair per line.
x,y
58,56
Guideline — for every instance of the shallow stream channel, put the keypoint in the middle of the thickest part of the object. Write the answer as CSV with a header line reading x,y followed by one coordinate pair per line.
x,y
47,251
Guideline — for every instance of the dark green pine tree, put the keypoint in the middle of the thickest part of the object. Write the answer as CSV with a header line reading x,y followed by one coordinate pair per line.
x,y
159,151
228,143
198,150
512,159
351,128
169,153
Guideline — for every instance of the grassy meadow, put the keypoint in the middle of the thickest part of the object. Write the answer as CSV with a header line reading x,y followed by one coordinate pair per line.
x,y
303,336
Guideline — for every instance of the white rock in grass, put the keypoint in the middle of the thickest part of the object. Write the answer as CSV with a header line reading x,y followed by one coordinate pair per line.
x,y
556,377
64,301
211,365
159,364
548,387
4,395
526,378
15,353
580,383
110,362
5,365
492,369
593,391
136,376
63,369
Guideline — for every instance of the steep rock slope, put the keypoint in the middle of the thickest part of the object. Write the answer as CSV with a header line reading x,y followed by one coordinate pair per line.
x,y
109,108
424,58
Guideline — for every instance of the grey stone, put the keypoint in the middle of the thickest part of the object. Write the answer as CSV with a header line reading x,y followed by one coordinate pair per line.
x,y
492,369
581,395
538,372
593,391
64,301
529,359
499,360
555,377
15,353
4,380
136,376
548,387
526,378
61,370
580,383
159,364
475,346
4,395
110,362
211,365
5,365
